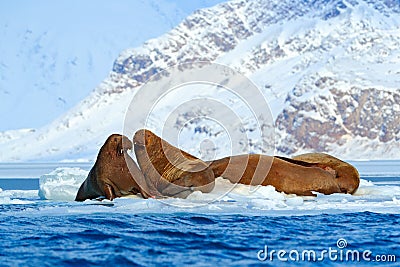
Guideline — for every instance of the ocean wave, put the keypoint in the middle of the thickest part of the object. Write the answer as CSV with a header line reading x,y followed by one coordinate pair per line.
x,y
186,238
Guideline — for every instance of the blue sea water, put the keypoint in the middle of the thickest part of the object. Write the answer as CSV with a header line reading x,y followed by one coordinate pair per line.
x,y
188,239
54,233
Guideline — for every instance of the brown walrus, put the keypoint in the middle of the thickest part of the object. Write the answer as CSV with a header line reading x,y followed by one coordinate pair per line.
x,y
347,175
286,175
172,171
110,175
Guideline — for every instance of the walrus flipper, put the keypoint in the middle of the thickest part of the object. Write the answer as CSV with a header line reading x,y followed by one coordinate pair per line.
x,y
308,164
297,162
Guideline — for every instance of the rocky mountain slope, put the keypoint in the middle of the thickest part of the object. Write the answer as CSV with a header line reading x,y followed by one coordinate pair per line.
x,y
329,69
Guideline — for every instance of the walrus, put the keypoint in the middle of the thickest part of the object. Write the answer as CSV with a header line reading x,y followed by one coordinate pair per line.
x,y
286,175
347,175
172,171
111,177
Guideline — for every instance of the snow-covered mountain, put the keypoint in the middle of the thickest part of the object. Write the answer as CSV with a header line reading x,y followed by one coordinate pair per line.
x,y
54,53
330,70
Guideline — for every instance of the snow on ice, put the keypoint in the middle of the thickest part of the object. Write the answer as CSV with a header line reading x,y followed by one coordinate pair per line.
x,y
61,186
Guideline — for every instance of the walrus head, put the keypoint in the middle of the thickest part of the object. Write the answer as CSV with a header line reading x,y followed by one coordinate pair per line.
x,y
170,169
117,145
155,148
142,137
114,173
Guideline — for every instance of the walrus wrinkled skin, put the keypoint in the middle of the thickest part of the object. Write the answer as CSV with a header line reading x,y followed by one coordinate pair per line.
x,y
172,171
347,175
286,175
110,175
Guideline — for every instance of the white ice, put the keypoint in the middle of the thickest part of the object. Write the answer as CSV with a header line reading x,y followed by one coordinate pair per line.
x,y
60,186
17,196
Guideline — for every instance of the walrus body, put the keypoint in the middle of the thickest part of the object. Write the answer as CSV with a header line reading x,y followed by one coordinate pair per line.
x,y
286,175
111,177
169,171
172,171
347,175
